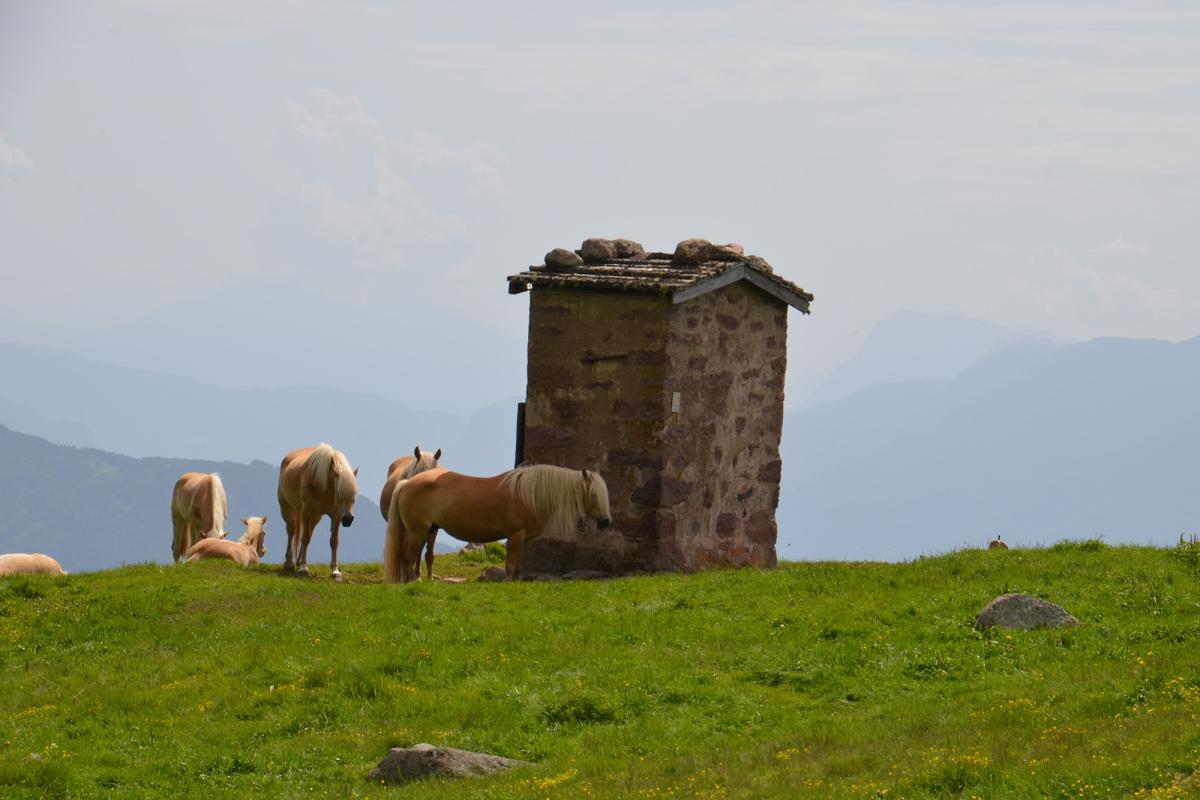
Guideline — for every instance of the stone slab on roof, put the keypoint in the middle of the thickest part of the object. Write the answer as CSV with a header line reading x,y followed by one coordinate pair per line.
x,y
654,273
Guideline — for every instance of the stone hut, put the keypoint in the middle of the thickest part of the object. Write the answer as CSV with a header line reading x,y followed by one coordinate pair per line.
x,y
664,372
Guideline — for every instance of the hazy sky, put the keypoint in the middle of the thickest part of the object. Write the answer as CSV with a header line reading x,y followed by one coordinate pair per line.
x,y
1033,164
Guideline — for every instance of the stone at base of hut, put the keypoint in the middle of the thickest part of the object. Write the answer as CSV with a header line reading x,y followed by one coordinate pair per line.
x,y
404,764
493,575
539,576
585,575
561,259
1023,612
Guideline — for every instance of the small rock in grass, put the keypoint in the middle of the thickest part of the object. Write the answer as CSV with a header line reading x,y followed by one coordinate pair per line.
x,y
493,575
1023,612
403,764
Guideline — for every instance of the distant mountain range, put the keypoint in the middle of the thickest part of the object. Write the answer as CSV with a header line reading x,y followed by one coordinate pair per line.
x,y
92,509
75,401
1035,441
942,432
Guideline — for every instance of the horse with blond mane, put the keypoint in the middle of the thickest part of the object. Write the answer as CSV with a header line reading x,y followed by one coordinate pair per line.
x,y
244,552
399,472
29,564
516,505
198,506
315,482
404,468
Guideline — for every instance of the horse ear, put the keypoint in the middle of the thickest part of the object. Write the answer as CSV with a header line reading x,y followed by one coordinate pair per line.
x,y
417,452
586,476
245,522
264,519
356,472
438,454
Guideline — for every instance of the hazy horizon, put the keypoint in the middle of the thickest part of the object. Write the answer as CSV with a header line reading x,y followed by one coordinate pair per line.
x,y
1026,164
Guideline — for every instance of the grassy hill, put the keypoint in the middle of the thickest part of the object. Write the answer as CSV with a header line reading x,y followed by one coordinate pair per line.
x,y
813,680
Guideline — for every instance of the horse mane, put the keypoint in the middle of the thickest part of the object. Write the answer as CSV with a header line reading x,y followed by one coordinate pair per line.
x,y
220,506
324,458
555,495
425,462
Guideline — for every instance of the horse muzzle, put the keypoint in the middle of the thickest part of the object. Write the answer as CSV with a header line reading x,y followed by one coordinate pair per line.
x,y
347,520
603,522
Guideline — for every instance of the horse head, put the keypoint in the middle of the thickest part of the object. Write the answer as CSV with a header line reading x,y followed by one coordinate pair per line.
x,y
256,534
595,499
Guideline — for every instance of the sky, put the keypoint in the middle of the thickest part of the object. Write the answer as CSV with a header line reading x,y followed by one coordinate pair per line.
x,y
373,171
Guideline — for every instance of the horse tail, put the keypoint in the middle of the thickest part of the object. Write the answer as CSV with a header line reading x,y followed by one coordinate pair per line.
x,y
392,547
220,505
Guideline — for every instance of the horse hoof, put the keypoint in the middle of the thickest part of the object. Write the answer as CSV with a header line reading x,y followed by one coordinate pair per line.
x,y
337,576
302,572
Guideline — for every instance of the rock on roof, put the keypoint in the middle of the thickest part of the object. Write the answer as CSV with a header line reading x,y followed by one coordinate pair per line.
x,y
695,268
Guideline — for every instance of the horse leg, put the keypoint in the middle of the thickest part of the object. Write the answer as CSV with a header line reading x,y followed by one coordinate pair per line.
x,y
289,549
429,554
516,554
334,525
306,532
180,530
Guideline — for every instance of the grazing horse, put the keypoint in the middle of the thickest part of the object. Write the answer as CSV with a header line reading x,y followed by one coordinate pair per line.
x,y
516,505
198,506
315,482
29,564
245,551
996,544
399,472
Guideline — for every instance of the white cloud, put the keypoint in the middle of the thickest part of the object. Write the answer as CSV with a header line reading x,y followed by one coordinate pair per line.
x,y
395,211
13,157
1121,246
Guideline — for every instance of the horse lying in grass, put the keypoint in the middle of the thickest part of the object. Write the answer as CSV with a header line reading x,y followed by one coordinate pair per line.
x,y
399,472
198,508
29,564
315,482
244,552
516,505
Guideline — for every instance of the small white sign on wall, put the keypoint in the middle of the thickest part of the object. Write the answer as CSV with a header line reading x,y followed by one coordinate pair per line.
x,y
675,402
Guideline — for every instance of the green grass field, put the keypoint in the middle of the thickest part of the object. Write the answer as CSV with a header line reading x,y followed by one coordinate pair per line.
x,y
812,680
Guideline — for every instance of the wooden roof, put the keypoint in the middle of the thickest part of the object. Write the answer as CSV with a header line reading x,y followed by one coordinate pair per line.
x,y
654,273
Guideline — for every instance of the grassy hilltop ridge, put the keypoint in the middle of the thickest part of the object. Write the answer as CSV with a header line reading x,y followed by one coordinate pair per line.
x,y
812,680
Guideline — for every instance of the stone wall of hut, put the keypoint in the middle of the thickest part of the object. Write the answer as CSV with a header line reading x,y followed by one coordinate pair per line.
x,y
689,488
597,365
726,356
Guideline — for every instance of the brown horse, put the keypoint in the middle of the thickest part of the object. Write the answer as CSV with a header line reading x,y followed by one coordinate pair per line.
x,y
516,505
399,472
315,482
29,564
245,551
404,468
198,508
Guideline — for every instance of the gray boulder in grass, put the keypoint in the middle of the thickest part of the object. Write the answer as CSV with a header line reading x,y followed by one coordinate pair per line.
x,y
404,764
1023,612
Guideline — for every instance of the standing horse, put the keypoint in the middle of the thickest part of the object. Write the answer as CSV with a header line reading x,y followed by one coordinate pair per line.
x,y
315,482
198,505
245,551
404,468
516,505
399,472
29,564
